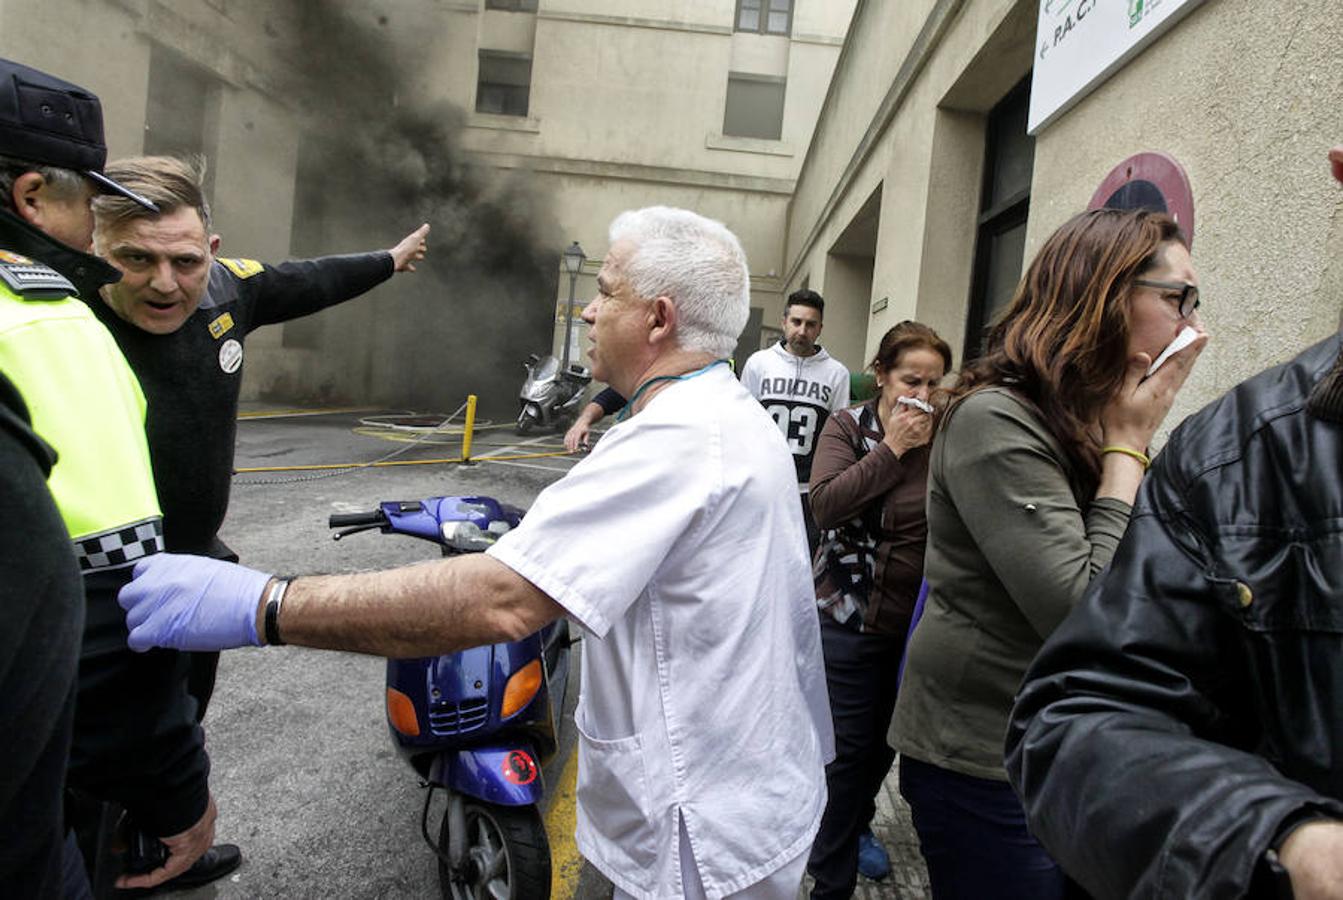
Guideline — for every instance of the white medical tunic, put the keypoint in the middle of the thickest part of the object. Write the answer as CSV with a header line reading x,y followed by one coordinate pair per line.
x,y
678,546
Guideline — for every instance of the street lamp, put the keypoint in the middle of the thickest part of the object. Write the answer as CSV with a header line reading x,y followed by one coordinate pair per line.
x,y
573,262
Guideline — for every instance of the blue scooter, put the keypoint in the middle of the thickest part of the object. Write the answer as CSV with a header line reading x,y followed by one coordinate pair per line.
x,y
478,724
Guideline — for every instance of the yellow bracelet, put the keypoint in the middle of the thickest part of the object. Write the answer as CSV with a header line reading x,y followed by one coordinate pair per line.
x,y
1129,451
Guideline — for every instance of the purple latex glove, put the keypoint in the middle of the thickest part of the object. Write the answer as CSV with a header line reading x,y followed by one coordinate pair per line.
x,y
192,603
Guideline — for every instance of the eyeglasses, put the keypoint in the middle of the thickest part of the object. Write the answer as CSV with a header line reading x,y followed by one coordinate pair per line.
x,y
1188,299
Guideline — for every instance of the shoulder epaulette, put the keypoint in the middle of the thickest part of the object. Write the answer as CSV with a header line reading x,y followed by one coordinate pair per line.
x,y
33,280
243,268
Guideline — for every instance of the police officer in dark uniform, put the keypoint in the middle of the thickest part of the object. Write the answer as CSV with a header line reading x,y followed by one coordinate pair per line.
x,y
181,315
135,741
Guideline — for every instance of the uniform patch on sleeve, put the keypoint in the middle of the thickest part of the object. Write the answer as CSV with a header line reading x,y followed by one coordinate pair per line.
x,y
220,326
243,268
32,280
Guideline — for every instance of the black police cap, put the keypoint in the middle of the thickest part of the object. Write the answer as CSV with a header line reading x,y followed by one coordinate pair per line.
x,y
50,122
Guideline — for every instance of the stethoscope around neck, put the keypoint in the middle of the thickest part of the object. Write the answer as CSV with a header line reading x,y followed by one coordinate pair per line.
x,y
625,410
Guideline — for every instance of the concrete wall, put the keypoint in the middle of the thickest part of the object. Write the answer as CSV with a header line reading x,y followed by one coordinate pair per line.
x,y
106,47
847,285
646,88
879,36
1245,95
904,116
30,34
1248,97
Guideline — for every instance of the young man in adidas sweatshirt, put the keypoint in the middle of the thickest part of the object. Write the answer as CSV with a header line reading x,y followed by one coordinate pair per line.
x,y
799,384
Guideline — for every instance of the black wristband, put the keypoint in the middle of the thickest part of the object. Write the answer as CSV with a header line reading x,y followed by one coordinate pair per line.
x,y
272,615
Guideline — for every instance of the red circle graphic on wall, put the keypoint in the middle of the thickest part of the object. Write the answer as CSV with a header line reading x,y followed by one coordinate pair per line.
x,y
1149,181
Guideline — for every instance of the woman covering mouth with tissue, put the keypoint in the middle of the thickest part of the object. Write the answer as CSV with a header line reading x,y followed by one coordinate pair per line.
x,y
1031,480
868,486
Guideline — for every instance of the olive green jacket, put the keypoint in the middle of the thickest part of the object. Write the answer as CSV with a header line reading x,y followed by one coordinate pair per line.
x,y
1011,548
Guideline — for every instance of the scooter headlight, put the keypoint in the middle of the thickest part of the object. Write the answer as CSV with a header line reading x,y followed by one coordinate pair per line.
x,y
466,536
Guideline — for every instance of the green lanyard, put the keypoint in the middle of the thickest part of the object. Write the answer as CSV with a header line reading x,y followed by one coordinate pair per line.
x,y
629,405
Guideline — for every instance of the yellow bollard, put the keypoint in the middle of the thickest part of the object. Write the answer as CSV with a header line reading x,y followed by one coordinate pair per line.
x,y
469,428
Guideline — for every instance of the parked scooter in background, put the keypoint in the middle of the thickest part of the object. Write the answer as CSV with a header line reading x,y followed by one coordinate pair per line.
x,y
477,724
552,394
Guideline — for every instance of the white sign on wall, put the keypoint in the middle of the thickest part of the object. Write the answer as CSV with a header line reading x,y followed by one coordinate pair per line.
x,y
1080,43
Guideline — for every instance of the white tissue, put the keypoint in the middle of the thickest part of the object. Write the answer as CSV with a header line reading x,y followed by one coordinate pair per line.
x,y
1182,340
916,403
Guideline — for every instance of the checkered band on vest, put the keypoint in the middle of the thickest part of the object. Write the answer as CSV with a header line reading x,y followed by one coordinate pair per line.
x,y
114,549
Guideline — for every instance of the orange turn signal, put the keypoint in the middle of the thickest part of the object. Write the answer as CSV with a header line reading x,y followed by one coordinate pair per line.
x,y
401,713
521,688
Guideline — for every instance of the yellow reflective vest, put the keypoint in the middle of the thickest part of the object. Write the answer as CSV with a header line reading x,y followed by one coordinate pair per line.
x,y
86,403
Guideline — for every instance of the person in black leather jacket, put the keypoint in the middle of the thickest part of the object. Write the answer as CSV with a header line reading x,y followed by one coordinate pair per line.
x,y
1181,735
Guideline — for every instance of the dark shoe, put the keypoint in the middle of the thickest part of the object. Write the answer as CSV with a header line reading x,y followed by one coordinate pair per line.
x,y
873,860
218,861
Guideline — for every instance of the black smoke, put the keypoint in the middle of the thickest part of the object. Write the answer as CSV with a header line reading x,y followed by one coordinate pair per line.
x,y
379,155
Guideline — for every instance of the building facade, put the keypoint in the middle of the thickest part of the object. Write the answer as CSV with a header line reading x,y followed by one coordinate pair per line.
x,y
578,108
922,192
905,186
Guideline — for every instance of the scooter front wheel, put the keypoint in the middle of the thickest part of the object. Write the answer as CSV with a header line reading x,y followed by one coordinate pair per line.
x,y
529,420
508,855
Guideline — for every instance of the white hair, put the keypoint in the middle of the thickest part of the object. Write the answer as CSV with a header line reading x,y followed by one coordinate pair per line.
x,y
696,262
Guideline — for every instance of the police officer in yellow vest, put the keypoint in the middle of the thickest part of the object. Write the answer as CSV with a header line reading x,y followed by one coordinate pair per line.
x,y
135,741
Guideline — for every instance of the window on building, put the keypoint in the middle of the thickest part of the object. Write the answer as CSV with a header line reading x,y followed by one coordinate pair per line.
x,y
1000,242
512,5
504,83
765,16
180,96
754,106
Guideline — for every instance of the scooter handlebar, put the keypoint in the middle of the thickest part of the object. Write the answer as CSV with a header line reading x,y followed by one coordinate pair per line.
x,y
349,520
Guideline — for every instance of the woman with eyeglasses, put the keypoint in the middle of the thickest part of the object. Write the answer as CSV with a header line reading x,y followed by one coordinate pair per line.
x,y
1032,477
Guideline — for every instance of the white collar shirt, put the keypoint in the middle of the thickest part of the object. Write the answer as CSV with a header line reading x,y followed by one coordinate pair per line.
x,y
678,546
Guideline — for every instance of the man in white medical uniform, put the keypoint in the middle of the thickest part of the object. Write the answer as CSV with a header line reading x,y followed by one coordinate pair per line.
x,y
677,545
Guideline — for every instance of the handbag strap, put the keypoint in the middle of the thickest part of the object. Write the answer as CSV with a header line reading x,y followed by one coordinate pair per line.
x,y
865,418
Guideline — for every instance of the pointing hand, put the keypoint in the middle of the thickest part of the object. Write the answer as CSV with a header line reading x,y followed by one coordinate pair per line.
x,y
411,249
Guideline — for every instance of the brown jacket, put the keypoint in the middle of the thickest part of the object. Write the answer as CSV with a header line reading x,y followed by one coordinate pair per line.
x,y
891,492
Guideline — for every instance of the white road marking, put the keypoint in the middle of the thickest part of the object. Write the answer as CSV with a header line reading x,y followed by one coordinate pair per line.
x,y
525,465
512,448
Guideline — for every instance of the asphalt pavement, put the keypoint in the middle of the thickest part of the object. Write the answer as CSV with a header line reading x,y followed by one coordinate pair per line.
x,y
305,775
